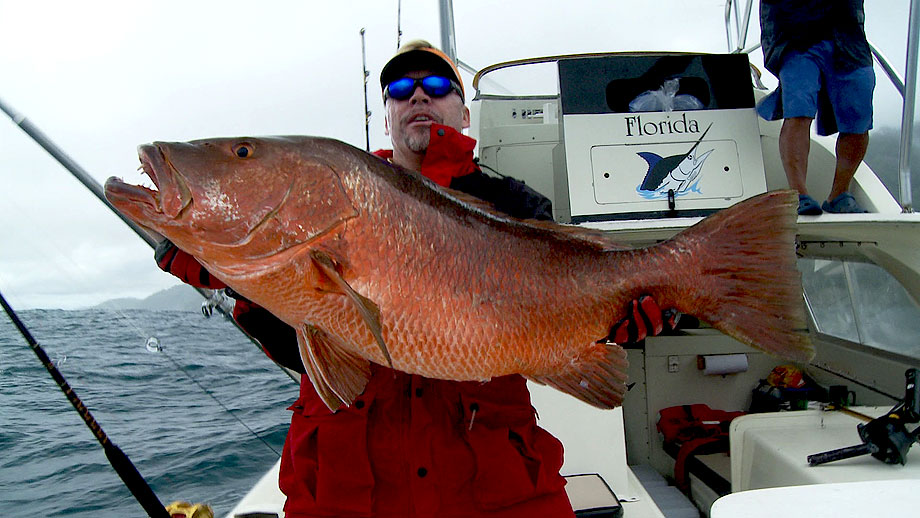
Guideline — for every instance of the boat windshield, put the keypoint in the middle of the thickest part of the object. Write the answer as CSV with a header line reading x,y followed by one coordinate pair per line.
x,y
537,77
861,302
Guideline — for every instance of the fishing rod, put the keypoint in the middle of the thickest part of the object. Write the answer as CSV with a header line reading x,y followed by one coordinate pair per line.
x,y
117,458
90,183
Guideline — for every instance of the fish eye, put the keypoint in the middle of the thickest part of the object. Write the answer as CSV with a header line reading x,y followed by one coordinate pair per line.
x,y
243,150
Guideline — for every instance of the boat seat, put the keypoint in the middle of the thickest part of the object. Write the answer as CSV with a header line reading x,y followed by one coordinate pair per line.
x,y
690,431
709,464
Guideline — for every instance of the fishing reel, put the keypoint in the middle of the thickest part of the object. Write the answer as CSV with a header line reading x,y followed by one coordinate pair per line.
x,y
886,438
189,510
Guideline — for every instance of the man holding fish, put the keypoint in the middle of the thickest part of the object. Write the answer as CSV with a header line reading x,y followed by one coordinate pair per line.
x,y
410,445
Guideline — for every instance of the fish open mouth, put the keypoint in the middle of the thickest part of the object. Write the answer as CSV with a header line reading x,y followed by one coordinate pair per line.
x,y
168,196
117,190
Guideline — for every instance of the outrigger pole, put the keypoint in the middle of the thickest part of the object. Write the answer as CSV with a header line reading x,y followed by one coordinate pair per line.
x,y
117,458
367,112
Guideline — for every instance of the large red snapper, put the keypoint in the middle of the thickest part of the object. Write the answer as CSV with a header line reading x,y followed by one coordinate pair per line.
x,y
371,262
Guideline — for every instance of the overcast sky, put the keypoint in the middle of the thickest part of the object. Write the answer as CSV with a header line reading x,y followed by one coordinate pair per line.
x,y
99,78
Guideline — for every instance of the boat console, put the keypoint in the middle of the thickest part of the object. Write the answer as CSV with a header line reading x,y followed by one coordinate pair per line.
x,y
630,136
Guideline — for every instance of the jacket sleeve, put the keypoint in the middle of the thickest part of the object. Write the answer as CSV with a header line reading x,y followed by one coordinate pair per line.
x,y
278,340
183,265
507,194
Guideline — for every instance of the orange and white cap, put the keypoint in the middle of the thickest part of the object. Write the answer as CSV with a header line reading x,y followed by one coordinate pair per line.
x,y
419,55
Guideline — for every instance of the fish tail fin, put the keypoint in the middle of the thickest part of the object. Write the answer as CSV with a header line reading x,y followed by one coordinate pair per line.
x,y
745,282
735,270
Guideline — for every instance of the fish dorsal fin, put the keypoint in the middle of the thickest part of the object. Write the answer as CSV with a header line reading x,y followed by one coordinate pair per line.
x,y
597,376
369,311
473,202
338,375
596,237
589,235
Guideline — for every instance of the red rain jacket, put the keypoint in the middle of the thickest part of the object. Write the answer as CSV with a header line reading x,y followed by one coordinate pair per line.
x,y
412,446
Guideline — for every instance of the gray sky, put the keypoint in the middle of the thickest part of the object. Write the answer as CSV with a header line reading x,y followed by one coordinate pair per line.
x,y
99,78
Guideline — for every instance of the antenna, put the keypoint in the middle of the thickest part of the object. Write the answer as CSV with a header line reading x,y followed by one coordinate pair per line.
x,y
398,23
367,113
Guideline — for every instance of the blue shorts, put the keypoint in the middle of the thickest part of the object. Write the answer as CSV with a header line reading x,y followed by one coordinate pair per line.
x,y
805,73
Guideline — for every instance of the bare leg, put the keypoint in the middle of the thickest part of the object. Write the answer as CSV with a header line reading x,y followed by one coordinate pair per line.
x,y
794,144
851,148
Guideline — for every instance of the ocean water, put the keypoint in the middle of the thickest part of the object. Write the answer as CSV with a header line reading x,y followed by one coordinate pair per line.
x,y
202,420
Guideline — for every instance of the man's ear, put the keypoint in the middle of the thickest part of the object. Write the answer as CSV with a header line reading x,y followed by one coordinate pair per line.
x,y
386,124
466,117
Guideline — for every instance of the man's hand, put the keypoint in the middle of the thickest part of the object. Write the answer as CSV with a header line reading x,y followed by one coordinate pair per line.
x,y
644,319
172,260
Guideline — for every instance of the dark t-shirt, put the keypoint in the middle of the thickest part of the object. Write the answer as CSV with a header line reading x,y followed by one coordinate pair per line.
x,y
799,24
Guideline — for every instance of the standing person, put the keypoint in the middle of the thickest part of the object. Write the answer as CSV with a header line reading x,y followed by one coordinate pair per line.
x,y
819,52
412,446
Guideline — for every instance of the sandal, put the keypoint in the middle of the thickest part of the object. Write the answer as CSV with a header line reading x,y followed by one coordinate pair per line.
x,y
808,206
843,204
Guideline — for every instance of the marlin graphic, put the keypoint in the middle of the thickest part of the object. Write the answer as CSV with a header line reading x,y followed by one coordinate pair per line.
x,y
675,172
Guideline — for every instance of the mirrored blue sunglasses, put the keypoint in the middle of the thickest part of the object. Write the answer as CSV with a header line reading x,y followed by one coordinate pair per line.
x,y
434,86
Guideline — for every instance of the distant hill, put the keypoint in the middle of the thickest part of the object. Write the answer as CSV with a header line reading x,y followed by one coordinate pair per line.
x,y
178,298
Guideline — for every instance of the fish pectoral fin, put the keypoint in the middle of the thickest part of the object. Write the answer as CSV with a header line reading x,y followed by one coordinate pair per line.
x,y
369,311
597,376
338,375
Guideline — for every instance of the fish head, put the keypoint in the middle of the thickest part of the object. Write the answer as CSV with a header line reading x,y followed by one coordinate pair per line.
x,y
690,166
699,158
237,203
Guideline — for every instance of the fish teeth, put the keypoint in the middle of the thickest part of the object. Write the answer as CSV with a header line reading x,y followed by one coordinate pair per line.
x,y
150,178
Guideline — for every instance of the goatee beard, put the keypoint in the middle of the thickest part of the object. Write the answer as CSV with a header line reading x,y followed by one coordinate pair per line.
x,y
418,142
